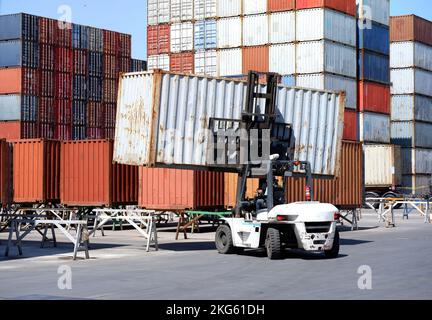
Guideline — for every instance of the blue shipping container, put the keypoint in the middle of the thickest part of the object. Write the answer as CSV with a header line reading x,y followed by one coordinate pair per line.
x,y
205,34
80,87
19,26
79,133
374,67
95,39
79,37
376,38
17,53
79,113
95,64
95,89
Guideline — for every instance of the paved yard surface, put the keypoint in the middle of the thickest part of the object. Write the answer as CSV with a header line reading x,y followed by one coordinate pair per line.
x,y
400,260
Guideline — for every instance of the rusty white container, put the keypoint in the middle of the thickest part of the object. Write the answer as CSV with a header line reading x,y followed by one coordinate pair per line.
x,y
383,165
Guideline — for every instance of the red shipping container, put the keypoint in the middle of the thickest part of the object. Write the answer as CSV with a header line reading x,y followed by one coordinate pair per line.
x,y
125,45
94,114
46,57
110,67
373,97
63,59
110,90
36,171
46,130
109,115
46,112
410,28
351,119
63,111
5,173
256,59
158,39
345,6
63,85
182,62
281,5
10,130
171,189
111,42
63,132
19,80
47,30
124,64
79,62
63,34
47,83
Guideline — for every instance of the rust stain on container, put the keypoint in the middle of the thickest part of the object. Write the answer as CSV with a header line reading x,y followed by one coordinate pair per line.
x,y
410,28
172,189
90,178
256,59
36,171
5,173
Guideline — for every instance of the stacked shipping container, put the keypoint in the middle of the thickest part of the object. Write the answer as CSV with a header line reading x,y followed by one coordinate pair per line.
x,y
411,100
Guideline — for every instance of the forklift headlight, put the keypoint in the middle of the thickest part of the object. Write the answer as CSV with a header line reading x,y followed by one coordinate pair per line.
x,y
281,218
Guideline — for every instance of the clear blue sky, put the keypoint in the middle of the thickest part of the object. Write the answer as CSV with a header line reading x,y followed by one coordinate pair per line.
x,y
130,16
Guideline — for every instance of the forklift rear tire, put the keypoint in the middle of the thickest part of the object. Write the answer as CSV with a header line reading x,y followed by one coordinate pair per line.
x,y
224,240
334,251
273,244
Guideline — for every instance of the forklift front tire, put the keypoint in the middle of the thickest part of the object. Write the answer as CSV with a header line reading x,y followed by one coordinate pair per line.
x,y
273,244
334,251
224,240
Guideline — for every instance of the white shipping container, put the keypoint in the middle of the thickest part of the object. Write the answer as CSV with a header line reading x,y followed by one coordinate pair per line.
x,y
282,58
411,107
417,161
383,166
152,12
229,8
374,127
411,134
326,56
331,82
411,80
375,10
410,54
230,62
255,30
318,24
417,184
206,62
181,10
181,37
170,125
282,27
229,33
161,61
254,6
204,9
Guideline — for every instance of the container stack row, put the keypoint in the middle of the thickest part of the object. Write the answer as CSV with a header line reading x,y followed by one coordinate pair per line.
x,y
411,100
59,80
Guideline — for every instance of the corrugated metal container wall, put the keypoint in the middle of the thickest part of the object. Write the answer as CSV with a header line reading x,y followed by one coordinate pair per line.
x,y
231,189
206,62
170,189
256,59
229,8
323,81
383,164
19,26
351,121
18,107
254,6
326,56
318,24
285,66
411,134
10,130
417,161
181,10
161,61
205,34
282,27
375,10
411,107
17,53
375,38
345,191
36,165
374,67
158,39
346,6
410,54
229,33
230,62
281,5
182,62
5,173
410,28
255,30
181,37
10,80
374,127
89,177
373,97
417,184
204,9
411,80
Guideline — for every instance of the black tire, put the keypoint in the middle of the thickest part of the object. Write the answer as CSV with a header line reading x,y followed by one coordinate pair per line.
x,y
224,241
372,195
334,251
273,244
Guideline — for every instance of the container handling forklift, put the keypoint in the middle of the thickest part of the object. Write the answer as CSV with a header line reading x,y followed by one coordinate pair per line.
x,y
267,221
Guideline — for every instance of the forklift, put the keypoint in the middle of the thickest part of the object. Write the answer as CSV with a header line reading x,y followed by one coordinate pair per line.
x,y
267,221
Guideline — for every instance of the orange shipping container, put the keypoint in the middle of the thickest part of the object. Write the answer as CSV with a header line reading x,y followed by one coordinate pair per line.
x,y
36,174
10,130
256,59
410,28
350,125
373,97
182,62
231,189
90,178
346,6
19,80
281,5
171,189
5,171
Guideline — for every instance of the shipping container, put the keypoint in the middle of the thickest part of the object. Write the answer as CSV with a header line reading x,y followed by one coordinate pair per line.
x,y
410,54
29,130
285,65
63,34
411,80
282,27
411,107
158,39
109,90
182,62
125,45
316,118
63,59
161,61
351,122
89,177
19,26
47,110
230,189
95,64
36,171
95,89
373,97
80,36
5,173
110,66
124,64
79,87
326,81
255,59
181,37
47,31
375,10
79,113
411,134
110,42
206,62
15,53
79,132
416,161
288,80
46,130
254,6
205,34
419,185
10,130
229,33
326,56
63,85
95,39
229,8
383,165
47,57
170,189
63,111
373,37
345,6
281,5
255,30
374,127
410,28
94,118
230,62
204,9
319,24
18,107
80,62
138,65
158,11
181,10
19,80
373,67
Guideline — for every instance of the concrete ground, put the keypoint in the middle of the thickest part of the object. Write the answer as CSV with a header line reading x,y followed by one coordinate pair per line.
x,y
399,260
